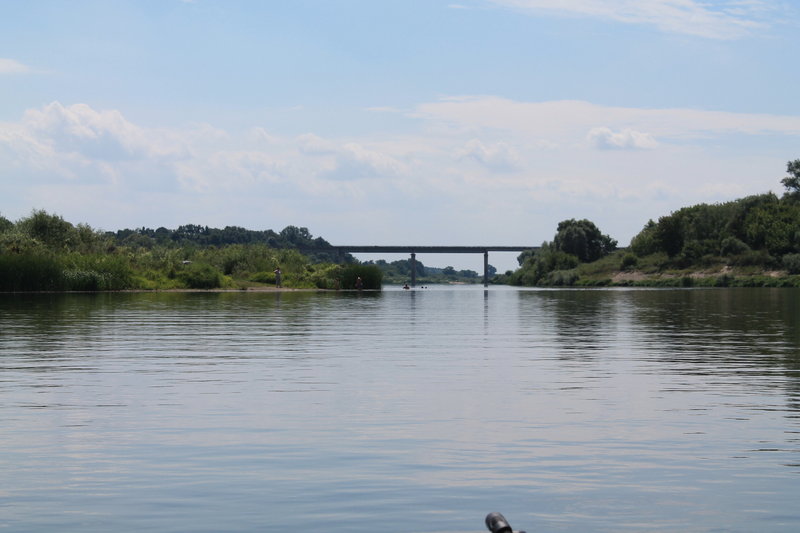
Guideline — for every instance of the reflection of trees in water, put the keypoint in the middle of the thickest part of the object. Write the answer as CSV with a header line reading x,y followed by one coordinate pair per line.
x,y
744,336
40,323
743,333
581,322
81,331
726,323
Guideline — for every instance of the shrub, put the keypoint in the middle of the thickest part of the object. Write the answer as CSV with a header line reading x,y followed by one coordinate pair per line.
x,y
371,275
732,246
83,280
97,272
327,277
562,278
629,261
791,262
200,276
263,277
759,258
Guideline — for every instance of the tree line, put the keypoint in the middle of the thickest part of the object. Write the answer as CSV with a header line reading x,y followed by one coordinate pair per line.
x,y
747,236
740,240
400,272
44,252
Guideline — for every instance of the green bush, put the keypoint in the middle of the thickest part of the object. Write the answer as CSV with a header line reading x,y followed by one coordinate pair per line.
x,y
732,246
52,230
791,262
263,277
562,278
371,275
757,258
327,277
200,276
96,272
84,280
629,262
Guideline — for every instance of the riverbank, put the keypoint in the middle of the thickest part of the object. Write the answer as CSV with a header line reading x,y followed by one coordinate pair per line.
x,y
617,270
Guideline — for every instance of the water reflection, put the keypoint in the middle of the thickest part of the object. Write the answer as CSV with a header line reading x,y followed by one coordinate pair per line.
x,y
570,410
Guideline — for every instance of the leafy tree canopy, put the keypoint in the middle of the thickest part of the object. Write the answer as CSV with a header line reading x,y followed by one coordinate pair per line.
x,y
753,229
792,181
582,239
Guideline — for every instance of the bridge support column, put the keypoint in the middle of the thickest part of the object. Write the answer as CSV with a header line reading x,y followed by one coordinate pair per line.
x,y
413,269
486,268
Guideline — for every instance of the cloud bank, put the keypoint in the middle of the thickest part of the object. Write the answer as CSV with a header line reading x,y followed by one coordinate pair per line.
x,y
494,158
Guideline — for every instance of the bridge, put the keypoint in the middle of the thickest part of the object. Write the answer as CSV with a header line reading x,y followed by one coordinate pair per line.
x,y
414,250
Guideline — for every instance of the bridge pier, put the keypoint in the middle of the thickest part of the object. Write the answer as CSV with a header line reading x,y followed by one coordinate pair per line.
x,y
413,269
486,268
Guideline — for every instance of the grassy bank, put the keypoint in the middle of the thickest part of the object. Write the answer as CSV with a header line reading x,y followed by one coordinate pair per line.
x,y
43,252
621,269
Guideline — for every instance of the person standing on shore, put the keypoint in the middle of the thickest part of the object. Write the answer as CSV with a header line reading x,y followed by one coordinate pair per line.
x,y
278,277
359,283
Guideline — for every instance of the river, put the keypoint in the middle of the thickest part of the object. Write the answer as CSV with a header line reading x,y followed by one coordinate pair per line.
x,y
401,411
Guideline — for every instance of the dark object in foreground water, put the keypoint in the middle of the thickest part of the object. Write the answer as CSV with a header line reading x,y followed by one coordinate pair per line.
x,y
497,523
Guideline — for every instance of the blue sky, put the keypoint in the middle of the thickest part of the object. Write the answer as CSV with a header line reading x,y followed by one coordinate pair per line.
x,y
394,122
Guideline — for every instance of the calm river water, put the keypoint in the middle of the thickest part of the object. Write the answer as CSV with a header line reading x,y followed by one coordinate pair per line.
x,y
401,411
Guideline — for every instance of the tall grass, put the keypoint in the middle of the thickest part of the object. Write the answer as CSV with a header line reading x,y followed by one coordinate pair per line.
x,y
30,272
74,272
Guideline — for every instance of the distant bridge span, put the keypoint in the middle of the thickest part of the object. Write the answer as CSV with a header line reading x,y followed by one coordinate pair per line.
x,y
414,250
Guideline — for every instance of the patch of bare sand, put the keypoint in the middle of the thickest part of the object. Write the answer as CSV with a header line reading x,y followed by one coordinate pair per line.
x,y
628,276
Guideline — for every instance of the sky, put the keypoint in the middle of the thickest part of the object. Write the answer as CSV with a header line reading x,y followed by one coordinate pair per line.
x,y
394,122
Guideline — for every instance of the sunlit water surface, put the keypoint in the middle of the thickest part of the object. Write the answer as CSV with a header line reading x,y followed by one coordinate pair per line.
x,y
401,411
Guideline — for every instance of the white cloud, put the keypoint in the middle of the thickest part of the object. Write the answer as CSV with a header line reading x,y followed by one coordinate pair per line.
x,y
567,121
354,161
497,156
606,139
348,161
104,135
502,160
315,145
10,66
717,19
228,170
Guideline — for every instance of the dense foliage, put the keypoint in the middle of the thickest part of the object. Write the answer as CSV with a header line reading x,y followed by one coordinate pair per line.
x,y
757,230
575,242
203,236
582,239
45,252
750,241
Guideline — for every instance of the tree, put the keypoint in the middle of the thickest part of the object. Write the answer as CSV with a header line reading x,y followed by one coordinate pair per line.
x,y
792,182
645,242
5,224
51,230
669,234
583,239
